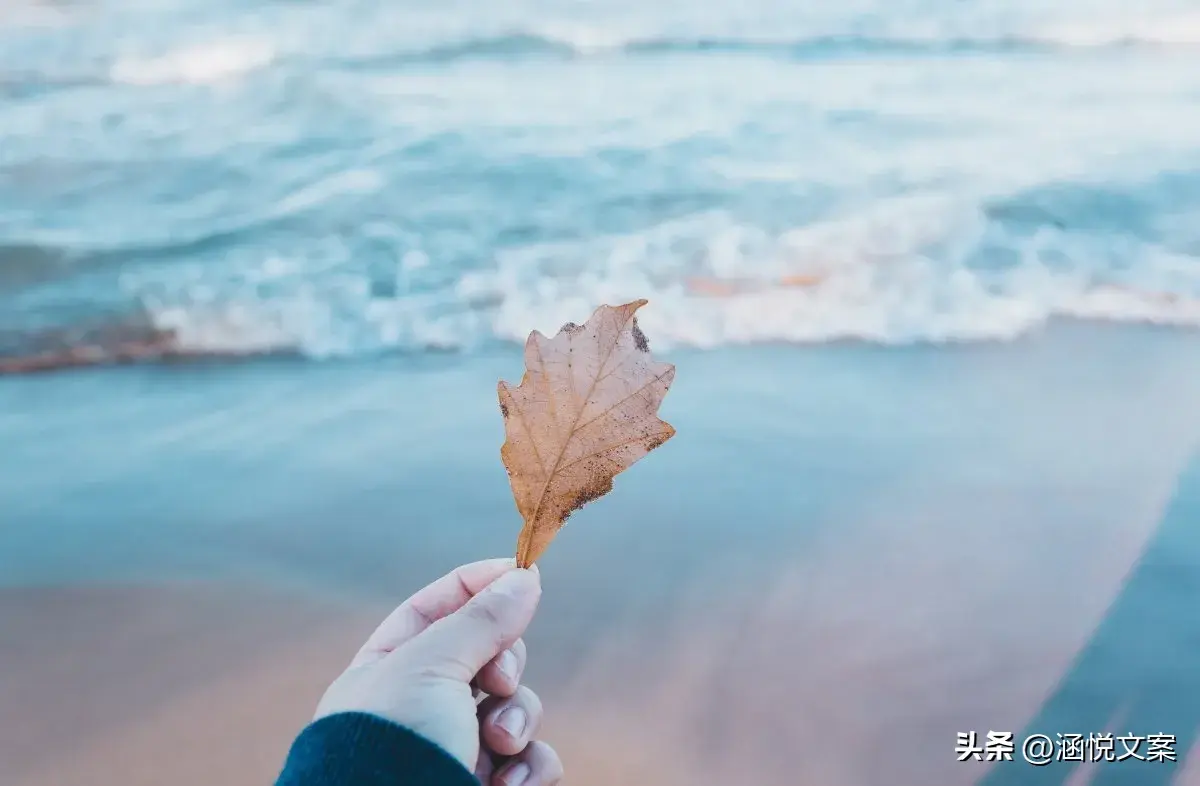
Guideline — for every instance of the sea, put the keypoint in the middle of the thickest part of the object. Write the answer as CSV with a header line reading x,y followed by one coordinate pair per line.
x,y
929,271
337,179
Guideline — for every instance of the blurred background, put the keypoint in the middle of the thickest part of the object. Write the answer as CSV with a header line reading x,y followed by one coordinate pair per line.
x,y
928,270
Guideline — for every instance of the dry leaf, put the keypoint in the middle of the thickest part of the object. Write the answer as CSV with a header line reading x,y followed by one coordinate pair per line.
x,y
586,410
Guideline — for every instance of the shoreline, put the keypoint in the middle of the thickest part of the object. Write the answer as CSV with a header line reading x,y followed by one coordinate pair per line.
x,y
140,347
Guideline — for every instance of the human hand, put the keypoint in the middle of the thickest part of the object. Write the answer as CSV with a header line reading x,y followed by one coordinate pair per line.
x,y
419,669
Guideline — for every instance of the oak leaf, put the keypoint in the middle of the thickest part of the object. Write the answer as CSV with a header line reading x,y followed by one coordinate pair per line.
x,y
585,411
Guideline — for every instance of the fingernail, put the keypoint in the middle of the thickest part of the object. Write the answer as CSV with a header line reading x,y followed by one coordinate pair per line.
x,y
516,774
517,583
513,721
507,663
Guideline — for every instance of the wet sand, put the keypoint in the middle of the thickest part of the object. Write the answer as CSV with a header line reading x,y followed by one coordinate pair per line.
x,y
887,547
186,684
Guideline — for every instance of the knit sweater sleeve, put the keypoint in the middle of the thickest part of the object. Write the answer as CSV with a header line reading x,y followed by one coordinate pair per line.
x,y
357,749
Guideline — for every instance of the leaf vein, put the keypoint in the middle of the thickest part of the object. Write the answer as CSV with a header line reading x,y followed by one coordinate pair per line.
x,y
528,432
607,448
620,403
571,433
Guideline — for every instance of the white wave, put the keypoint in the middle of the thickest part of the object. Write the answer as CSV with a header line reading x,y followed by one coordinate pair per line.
x,y
1179,29
229,330
205,63
1145,29
848,307
584,39
1122,304
1173,30
320,322
353,181
899,272
895,275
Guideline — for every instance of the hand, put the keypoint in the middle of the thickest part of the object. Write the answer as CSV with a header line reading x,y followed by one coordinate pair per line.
x,y
420,666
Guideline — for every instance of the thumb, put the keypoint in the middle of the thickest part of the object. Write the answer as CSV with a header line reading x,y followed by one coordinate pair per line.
x,y
460,644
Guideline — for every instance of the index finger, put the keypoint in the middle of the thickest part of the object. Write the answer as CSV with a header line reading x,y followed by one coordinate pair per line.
x,y
429,604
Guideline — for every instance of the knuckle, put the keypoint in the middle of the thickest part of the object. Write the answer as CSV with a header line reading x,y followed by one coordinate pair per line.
x,y
545,759
484,612
533,709
529,698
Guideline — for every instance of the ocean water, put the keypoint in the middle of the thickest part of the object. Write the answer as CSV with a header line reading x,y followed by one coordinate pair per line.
x,y
346,179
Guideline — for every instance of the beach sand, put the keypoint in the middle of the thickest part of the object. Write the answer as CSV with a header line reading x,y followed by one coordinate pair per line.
x,y
186,684
848,555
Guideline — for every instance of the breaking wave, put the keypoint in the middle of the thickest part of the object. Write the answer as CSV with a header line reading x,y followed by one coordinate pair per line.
x,y
918,269
576,44
198,64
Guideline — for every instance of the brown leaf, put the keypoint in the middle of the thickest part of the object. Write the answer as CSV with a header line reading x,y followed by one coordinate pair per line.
x,y
586,410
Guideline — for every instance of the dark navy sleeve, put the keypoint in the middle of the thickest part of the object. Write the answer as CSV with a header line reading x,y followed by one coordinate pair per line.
x,y
357,749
